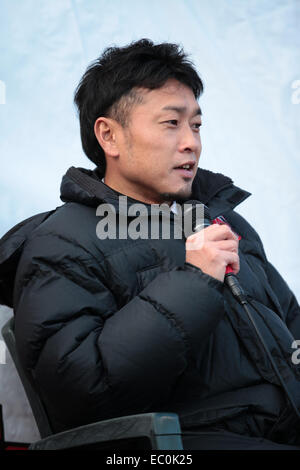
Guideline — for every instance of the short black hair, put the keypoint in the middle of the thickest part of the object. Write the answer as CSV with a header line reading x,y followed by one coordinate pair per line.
x,y
109,85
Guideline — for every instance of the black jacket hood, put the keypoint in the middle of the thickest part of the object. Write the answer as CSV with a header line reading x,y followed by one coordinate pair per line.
x,y
84,186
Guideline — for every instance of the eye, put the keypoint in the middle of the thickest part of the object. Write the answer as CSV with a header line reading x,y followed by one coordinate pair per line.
x,y
174,122
197,125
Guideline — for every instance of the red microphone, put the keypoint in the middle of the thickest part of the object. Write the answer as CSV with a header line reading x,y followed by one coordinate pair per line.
x,y
230,279
222,221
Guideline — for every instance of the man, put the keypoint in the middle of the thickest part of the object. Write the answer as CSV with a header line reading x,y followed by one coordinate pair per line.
x,y
111,326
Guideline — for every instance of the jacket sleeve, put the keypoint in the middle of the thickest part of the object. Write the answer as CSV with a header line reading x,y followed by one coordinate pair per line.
x,y
92,360
286,298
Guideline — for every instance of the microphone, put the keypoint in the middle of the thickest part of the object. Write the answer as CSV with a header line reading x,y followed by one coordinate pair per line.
x,y
200,218
195,217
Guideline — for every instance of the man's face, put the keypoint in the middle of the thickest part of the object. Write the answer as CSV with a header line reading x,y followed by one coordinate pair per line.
x,y
162,135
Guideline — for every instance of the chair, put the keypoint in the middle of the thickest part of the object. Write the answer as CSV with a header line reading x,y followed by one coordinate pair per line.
x,y
160,431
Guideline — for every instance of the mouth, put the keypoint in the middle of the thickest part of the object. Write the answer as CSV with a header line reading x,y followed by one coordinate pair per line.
x,y
186,169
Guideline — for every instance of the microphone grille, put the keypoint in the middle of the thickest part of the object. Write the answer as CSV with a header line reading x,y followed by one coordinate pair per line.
x,y
191,205
198,213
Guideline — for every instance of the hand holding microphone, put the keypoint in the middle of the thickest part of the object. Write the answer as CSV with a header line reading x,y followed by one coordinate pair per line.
x,y
212,247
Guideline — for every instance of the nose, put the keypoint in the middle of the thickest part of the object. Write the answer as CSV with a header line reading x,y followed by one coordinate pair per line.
x,y
190,140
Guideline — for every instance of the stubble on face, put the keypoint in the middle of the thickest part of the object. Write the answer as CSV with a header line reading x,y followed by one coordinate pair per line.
x,y
141,155
180,196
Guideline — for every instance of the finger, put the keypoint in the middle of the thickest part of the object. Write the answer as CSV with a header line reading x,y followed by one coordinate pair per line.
x,y
217,232
232,259
228,245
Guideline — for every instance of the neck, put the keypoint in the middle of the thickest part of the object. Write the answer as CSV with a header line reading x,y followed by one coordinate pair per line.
x,y
132,194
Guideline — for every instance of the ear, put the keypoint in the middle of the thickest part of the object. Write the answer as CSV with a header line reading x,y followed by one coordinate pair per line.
x,y
105,132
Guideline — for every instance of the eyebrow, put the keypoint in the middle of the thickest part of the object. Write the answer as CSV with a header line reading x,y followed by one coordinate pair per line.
x,y
182,110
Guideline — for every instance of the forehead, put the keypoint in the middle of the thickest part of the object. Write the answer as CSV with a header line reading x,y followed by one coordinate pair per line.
x,y
171,95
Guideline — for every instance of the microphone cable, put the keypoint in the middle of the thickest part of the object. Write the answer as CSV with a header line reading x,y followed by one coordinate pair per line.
x,y
231,281
233,284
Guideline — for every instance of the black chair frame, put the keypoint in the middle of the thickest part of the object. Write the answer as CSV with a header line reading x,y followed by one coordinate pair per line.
x,y
158,431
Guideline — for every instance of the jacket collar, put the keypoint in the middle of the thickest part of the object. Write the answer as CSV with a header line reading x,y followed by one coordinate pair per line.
x,y
213,189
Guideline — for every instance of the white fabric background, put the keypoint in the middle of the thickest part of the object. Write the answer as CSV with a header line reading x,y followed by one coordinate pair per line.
x,y
247,54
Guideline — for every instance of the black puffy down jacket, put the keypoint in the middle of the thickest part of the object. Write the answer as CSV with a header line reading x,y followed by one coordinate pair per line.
x,y
114,327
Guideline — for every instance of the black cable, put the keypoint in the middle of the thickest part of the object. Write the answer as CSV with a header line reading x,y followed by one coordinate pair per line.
x,y
239,294
231,281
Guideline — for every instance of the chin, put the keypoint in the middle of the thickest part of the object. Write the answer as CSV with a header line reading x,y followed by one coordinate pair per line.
x,y
179,196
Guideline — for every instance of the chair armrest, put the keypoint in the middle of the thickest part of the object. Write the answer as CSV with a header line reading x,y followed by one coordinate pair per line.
x,y
161,429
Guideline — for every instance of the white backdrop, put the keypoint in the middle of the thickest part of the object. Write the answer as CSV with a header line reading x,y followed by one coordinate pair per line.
x,y
248,55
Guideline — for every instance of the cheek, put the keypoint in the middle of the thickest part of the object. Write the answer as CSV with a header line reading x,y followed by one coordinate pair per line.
x,y
152,153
